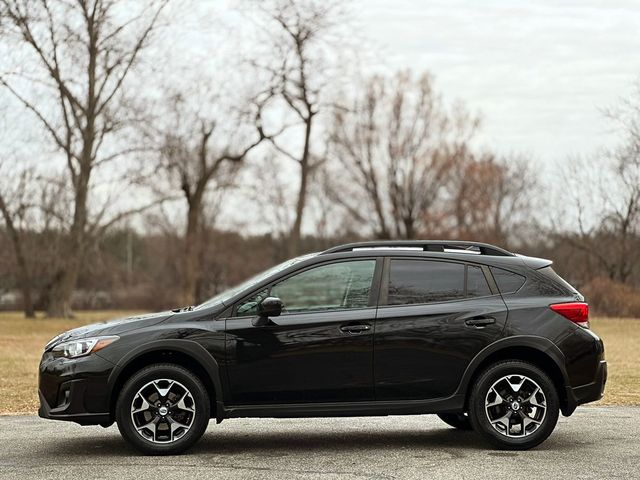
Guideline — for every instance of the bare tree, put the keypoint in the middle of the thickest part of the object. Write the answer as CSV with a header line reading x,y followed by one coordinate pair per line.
x,y
80,54
303,31
395,148
613,200
32,209
272,192
15,204
490,198
202,145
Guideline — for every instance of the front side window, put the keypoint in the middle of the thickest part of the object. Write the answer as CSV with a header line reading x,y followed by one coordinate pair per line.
x,y
340,285
227,294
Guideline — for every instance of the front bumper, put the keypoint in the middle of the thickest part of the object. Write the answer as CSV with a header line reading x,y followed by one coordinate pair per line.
x,y
75,389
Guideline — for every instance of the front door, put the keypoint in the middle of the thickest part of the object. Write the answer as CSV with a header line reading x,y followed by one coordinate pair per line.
x,y
319,350
436,317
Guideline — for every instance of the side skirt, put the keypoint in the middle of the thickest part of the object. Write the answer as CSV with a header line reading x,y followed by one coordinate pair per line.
x,y
451,404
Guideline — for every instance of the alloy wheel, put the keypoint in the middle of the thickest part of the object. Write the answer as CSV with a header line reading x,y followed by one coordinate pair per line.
x,y
515,406
163,411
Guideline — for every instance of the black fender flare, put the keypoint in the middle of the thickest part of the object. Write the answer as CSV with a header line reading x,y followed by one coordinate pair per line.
x,y
188,347
541,344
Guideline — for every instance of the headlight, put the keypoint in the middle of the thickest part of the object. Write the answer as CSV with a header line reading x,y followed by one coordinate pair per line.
x,y
83,346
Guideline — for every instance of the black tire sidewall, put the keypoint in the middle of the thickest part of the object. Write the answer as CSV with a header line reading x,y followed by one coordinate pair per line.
x,y
478,415
153,372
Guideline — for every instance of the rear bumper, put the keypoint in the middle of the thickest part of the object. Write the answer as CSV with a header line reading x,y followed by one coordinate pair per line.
x,y
589,392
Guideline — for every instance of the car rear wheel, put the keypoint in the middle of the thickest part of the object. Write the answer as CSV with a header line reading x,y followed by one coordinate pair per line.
x,y
460,421
514,405
163,409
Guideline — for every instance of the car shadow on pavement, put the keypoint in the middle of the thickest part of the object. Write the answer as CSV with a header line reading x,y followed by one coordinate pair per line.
x,y
287,442
348,440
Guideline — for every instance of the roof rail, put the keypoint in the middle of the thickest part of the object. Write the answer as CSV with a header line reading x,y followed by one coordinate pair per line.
x,y
425,245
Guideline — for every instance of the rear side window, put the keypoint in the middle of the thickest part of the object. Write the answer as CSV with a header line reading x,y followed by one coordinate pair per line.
x,y
477,285
424,281
508,282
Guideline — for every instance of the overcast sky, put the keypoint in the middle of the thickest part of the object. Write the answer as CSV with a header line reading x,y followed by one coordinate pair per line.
x,y
539,71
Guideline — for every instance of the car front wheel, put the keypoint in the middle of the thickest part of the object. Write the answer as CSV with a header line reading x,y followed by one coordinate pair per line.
x,y
514,405
163,409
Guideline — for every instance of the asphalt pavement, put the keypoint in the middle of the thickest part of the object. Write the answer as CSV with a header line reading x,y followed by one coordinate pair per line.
x,y
595,443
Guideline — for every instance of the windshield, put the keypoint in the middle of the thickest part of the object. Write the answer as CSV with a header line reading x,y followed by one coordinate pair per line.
x,y
222,296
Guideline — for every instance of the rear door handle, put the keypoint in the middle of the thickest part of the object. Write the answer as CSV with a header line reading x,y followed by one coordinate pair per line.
x,y
355,329
480,322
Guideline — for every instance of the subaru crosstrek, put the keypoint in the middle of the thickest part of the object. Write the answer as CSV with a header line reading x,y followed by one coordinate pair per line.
x,y
482,337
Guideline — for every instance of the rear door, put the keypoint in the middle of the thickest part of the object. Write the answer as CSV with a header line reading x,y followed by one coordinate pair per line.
x,y
434,317
319,350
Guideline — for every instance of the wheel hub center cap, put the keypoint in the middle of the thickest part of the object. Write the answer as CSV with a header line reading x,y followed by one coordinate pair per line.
x,y
515,406
163,411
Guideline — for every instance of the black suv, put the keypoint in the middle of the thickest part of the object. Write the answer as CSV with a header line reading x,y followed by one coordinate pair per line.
x,y
482,337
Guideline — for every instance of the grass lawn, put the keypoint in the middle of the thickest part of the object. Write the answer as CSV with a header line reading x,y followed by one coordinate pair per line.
x,y
21,343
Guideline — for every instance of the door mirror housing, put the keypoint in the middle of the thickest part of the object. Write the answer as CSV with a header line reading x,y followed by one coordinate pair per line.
x,y
270,307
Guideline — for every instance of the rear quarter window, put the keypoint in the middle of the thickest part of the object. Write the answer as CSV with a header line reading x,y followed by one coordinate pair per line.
x,y
550,274
508,282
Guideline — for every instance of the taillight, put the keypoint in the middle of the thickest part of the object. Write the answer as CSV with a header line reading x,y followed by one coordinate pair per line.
x,y
577,312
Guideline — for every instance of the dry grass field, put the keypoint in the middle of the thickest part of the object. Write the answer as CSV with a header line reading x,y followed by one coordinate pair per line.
x,y
21,343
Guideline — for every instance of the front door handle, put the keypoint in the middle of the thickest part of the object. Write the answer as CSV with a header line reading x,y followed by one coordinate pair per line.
x,y
480,322
355,329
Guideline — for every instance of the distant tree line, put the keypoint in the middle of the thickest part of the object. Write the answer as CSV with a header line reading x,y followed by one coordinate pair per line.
x,y
122,209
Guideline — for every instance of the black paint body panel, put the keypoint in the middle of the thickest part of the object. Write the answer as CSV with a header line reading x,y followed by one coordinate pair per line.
x,y
415,345
301,358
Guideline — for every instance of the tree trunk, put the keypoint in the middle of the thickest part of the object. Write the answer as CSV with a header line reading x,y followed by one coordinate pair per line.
x,y
294,238
192,269
60,296
21,259
295,235
26,288
59,304
27,302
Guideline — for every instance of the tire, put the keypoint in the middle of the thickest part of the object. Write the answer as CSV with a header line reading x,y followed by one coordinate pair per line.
x,y
460,421
163,409
504,395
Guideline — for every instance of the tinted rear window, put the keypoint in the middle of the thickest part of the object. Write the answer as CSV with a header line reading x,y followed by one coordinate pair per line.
x,y
477,285
508,282
424,281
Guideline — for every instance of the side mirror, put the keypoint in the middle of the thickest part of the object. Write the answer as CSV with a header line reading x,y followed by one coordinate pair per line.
x,y
270,307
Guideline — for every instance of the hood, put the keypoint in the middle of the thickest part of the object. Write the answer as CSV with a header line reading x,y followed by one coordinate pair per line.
x,y
112,327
